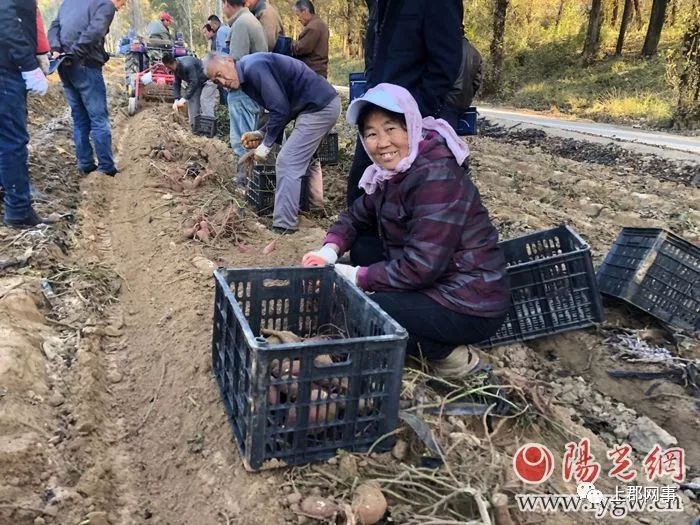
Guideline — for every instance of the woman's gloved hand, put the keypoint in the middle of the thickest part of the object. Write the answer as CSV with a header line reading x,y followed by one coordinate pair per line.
x,y
179,103
323,257
348,272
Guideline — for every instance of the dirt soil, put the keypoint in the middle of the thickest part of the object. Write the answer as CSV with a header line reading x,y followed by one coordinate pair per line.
x,y
109,413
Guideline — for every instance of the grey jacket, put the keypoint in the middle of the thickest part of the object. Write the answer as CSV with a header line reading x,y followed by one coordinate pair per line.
x,y
80,28
157,29
246,35
190,70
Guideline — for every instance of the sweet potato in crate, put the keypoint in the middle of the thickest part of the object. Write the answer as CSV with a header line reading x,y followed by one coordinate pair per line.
x,y
295,402
553,286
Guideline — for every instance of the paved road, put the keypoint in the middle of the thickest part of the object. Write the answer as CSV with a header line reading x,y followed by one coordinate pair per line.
x,y
652,141
668,145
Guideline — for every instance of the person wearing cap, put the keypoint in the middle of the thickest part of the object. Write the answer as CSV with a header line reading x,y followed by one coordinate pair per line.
x,y
436,267
160,29
80,30
290,91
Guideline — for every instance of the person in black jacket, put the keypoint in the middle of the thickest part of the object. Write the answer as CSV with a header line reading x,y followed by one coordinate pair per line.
x,y
416,44
79,30
19,73
201,94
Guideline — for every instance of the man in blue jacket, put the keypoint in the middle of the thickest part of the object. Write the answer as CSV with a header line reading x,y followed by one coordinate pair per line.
x,y
416,44
80,29
19,73
289,90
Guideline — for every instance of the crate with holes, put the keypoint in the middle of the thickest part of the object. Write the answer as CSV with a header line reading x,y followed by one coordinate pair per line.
x,y
553,286
306,364
656,271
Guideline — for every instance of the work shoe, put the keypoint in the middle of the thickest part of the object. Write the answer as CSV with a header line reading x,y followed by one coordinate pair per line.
x,y
282,231
87,171
462,361
110,173
28,222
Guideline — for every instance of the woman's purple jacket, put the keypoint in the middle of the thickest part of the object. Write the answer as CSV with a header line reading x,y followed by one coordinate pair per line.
x,y
438,238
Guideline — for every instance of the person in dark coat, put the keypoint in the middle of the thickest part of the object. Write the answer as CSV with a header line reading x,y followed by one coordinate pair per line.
x,y
416,44
201,93
80,29
19,73
439,270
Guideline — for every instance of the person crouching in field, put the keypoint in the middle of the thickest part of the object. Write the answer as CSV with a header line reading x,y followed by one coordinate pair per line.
x,y
434,264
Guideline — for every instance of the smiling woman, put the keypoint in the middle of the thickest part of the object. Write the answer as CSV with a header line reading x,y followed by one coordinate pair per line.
x,y
384,135
419,238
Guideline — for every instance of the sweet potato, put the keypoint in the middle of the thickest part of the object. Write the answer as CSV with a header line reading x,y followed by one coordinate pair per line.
x,y
369,504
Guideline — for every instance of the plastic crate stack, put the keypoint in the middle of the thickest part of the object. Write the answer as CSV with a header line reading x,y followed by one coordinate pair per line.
x,y
299,402
656,271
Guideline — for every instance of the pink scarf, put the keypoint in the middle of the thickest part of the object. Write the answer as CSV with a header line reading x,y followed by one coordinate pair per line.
x,y
416,126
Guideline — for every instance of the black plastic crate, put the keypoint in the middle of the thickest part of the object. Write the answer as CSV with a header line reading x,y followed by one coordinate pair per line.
x,y
657,271
260,192
280,417
553,286
204,126
328,150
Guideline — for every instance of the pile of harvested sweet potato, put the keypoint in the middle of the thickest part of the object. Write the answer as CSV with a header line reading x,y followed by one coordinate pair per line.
x,y
326,394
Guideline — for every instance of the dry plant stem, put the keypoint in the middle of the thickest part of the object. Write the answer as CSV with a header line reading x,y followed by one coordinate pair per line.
x,y
155,397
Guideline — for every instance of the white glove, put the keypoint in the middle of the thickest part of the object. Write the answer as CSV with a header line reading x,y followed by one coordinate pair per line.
x,y
322,257
43,63
179,103
35,81
261,152
348,272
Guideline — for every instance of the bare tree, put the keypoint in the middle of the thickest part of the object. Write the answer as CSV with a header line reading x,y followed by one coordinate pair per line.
x,y
656,24
560,13
638,14
674,12
626,17
615,12
595,21
688,110
492,82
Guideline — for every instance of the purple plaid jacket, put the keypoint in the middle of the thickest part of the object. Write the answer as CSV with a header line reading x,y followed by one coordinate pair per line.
x,y
438,238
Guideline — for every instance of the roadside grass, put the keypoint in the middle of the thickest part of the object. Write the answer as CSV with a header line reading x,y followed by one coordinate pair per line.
x,y
628,89
339,68
552,77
